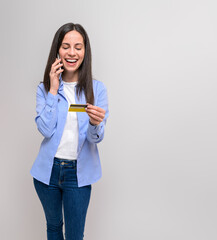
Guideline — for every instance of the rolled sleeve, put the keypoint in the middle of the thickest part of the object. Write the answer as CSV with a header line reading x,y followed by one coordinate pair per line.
x,y
95,129
46,108
96,133
51,100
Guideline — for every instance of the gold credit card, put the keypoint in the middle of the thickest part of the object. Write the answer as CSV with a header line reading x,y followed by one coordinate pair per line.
x,y
77,107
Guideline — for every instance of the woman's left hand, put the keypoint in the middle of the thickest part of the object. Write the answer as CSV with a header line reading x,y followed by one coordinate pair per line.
x,y
95,113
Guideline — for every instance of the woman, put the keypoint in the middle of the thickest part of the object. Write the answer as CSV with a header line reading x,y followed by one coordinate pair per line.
x,y
68,160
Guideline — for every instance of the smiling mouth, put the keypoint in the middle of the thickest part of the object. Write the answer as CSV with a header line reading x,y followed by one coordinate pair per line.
x,y
71,60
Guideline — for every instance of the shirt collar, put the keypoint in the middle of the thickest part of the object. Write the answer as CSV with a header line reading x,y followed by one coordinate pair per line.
x,y
61,83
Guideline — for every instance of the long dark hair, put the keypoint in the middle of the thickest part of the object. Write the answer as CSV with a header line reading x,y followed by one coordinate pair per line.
x,y
85,70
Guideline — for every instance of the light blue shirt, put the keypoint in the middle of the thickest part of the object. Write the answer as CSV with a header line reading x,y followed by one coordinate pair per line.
x,y
51,117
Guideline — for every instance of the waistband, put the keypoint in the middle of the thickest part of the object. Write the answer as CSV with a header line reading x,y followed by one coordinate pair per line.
x,y
61,161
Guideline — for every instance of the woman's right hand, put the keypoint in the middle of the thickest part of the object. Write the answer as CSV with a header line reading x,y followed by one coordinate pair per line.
x,y
54,76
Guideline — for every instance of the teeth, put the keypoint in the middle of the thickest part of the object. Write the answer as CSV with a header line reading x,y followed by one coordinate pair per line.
x,y
69,60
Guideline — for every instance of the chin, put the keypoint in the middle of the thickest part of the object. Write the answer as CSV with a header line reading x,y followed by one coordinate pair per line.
x,y
70,70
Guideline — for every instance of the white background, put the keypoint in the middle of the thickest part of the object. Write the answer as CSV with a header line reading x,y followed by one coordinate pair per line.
x,y
158,60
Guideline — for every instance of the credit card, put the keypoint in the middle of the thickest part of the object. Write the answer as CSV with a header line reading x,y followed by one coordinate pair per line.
x,y
77,107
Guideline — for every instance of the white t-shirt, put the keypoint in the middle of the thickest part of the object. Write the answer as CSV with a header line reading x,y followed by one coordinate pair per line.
x,y
67,148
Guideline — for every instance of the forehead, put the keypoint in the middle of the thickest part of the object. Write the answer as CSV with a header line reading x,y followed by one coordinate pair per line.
x,y
73,37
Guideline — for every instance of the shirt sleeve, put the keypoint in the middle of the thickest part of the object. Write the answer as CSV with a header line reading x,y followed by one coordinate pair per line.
x,y
95,133
46,108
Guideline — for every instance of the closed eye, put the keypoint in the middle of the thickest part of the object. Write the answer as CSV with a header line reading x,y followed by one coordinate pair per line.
x,y
76,48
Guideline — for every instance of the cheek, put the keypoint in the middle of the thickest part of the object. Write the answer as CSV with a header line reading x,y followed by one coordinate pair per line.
x,y
81,59
61,53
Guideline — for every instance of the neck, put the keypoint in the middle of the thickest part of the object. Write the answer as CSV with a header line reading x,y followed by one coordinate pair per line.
x,y
70,77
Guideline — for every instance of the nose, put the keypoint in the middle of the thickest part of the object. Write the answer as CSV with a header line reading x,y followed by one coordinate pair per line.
x,y
71,52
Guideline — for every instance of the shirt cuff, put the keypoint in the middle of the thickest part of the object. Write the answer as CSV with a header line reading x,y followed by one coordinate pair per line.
x,y
51,99
94,129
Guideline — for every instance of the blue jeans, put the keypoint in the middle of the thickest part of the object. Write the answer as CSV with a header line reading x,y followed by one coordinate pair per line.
x,y
63,193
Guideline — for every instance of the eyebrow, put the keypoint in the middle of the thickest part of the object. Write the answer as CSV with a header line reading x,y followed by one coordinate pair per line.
x,y
75,44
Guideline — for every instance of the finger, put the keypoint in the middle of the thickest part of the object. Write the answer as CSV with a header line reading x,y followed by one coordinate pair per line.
x,y
94,112
98,114
94,122
94,117
52,73
54,70
59,71
56,62
98,109
57,66
91,106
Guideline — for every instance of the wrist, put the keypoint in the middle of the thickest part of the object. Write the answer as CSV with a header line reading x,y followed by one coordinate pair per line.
x,y
53,91
92,123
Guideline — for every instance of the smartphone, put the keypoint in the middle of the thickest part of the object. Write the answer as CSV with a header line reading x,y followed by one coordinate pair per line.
x,y
58,56
77,107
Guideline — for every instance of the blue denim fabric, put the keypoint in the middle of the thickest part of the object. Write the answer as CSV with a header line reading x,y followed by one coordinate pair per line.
x,y
63,193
